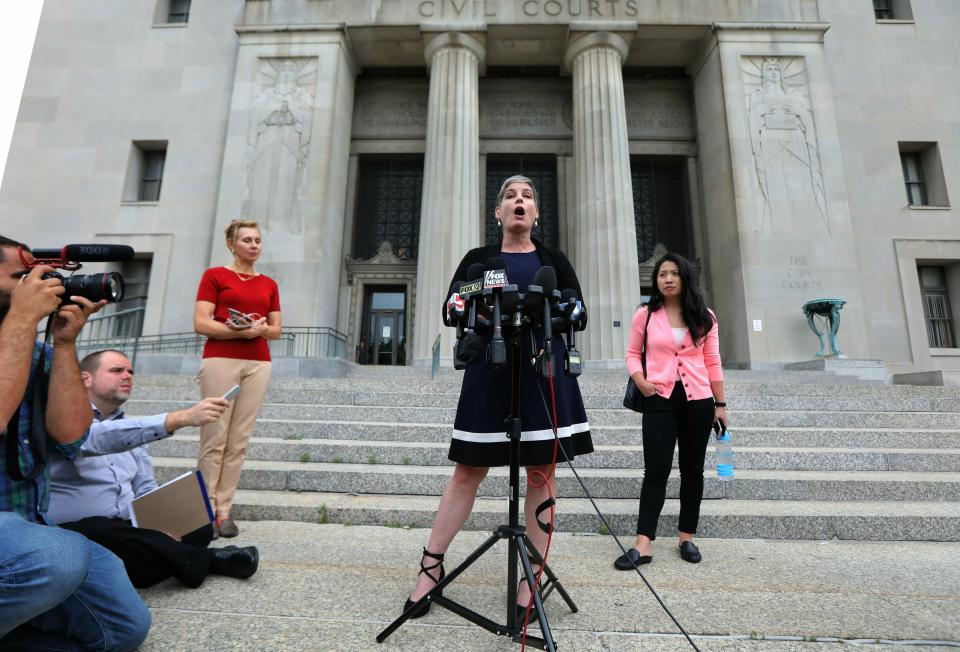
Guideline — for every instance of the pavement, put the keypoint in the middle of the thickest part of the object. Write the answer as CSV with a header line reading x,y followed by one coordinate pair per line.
x,y
335,587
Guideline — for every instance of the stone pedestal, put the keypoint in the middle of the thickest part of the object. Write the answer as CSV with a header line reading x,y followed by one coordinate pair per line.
x,y
450,217
603,242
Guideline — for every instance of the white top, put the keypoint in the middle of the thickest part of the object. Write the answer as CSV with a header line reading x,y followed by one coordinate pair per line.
x,y
678,335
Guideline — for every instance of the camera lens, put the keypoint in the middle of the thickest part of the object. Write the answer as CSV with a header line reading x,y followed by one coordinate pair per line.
x,y
95,287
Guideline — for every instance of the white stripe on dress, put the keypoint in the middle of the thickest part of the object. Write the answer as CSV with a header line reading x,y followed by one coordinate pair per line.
x,y
527,435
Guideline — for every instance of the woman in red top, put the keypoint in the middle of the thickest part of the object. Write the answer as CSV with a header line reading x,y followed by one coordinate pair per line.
x,y
238,309
683,386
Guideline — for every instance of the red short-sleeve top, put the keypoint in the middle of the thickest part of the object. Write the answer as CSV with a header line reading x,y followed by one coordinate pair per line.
x,y
224,289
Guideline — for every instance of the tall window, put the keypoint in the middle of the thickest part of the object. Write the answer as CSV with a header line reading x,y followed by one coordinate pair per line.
x,y
923,174
936,307
892,10
913,178
178,11
659,204
542,170
883,9
152,175
145,171
389,190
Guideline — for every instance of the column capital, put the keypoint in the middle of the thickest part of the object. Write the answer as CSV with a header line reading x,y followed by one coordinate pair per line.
x,y
435,40
579,42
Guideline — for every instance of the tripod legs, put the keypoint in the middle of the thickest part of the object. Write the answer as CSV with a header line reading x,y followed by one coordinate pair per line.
x,y
522,549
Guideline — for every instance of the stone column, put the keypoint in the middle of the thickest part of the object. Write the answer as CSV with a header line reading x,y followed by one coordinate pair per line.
x,y
603,242
449,221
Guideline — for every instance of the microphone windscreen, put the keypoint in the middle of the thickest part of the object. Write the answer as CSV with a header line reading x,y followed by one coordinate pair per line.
x,y
546,277
568,294
475,271
494,263
88,253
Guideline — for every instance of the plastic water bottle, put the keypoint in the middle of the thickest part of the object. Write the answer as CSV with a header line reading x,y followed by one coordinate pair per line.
x,y
724,457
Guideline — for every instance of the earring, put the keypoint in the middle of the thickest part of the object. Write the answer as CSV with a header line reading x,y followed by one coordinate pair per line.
x,y
536,223
499,224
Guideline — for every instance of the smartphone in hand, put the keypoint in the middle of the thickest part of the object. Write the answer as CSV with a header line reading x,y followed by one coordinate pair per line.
x,y
232,393
238,319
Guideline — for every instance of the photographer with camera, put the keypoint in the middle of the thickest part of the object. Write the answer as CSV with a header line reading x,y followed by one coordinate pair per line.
x,y
57,589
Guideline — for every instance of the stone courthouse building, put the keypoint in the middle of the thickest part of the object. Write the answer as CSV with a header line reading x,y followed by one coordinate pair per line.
x,y
794,149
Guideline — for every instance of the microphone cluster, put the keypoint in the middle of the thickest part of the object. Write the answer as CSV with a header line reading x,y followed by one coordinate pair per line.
x,y
488,303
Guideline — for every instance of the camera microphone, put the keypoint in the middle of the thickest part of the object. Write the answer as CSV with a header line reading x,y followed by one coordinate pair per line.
x,y
494,279
85,253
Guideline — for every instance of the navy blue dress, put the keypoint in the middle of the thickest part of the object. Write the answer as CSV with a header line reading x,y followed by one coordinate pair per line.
x,y
479,435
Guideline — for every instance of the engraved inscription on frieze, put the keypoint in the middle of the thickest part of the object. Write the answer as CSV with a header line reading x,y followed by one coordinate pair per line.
x,y
658,113
783,140
278,143
390,111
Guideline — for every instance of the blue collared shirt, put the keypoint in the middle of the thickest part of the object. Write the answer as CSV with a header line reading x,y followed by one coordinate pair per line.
x,y
112,469
30,497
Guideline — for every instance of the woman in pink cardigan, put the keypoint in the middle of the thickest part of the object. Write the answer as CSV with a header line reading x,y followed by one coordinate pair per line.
x,y
683,386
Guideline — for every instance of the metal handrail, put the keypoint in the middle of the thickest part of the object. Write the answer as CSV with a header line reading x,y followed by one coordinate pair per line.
x,y
435,364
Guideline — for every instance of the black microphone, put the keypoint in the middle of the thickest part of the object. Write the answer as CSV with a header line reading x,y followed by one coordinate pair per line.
x,y
494,279
87,253
470,345
572,361
546,280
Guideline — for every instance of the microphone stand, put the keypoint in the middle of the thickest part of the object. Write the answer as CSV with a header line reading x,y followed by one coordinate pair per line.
x,y
521,548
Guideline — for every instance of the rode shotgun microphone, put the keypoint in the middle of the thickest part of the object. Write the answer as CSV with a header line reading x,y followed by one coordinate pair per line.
x,y
84,253
494,280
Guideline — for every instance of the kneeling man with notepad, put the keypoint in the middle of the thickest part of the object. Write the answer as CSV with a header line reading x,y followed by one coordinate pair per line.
x,y
94,494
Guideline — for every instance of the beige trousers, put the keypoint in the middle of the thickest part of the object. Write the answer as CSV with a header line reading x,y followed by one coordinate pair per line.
x,y
223,443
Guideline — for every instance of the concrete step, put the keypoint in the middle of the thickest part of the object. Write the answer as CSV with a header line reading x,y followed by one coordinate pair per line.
x,y
599,417
754,382
591,401
603,483
604,457
610,435
754,519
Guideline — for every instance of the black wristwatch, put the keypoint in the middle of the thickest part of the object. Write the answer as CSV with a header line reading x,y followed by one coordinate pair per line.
x,y
719,404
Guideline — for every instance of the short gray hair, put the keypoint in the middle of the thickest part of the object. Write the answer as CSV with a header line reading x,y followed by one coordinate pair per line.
x,y
518,178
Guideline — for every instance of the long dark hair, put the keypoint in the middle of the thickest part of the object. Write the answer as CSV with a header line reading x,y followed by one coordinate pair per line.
x,y
692,304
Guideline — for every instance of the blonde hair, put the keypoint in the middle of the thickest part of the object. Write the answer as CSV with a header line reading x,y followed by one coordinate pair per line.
x,y
234,227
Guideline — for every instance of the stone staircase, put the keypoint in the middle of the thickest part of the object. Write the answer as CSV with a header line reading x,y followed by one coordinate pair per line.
x,y
817,456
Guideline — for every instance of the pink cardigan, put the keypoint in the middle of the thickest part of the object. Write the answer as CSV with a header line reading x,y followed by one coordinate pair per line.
x,y
698,365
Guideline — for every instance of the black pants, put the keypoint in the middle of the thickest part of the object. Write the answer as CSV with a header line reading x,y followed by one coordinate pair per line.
x,y
668,423
150,556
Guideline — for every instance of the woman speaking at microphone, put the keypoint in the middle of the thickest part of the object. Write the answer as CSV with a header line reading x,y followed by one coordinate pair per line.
x,y
479,438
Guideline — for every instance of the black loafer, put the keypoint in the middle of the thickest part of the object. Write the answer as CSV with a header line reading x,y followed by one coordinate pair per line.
x,y
690,552
234,562
633,557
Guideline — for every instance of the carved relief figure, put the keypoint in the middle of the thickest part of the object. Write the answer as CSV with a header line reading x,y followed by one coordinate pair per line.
x,y
784,142
278,145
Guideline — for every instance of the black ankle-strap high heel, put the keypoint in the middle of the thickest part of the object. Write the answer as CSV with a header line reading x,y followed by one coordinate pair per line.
x,y
425,608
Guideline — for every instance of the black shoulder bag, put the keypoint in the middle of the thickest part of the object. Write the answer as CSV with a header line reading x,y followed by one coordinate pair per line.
x,y
633,397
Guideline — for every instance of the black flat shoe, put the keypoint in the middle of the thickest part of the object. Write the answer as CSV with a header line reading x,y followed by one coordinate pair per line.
x,y
425,608
633,557
690,552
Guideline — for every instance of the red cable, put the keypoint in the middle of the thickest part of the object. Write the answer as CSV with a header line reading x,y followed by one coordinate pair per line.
x,y
533,481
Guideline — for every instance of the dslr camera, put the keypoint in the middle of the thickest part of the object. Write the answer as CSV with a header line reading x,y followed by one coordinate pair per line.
x,y
94,287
